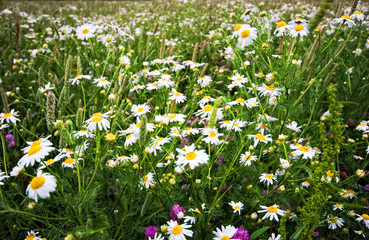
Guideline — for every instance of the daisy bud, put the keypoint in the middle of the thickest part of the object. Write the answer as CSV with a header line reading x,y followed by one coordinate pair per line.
x,y
251,148
180,215
249,187
360,173
69,237
31,205
164,228
351,213
135,166
198,181
365,136
254,215
172,181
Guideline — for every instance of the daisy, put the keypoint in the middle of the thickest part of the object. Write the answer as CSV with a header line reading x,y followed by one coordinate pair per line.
x,y
344,19
45,89
296,62
268,178
157,237
305,184
178,231
273,237
204,81
358,15
85,31
360,233
190,131
293,126
64,32
138,87
175,117
131,139
305,151
207,111
141,109
177,96
83,133
212,136
282,29
224,233
69,162
124,60
175,132
285,164
98,121
238,101
205,100
349,70
191,156
78,77
41,186
240,79
299,30
247,158
147,180
260,138
365,218
238,124
237,207
36,151
2,177
247,35
363,126
227,124
102,82
335,222
337,206
270,91
165,81
16,171
9,117
272,212
31,235
252,102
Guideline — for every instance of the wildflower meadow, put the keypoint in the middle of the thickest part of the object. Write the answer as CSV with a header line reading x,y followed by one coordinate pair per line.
x,y
184,119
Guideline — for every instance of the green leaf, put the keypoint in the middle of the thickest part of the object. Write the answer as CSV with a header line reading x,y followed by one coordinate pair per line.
x,y
257,233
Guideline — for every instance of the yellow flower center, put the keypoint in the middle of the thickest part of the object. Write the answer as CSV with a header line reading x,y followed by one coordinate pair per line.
x,y
351,191
245,33
212,134
172,116
102,80
263,126
269,88
145,179
236,208
85,31
208,108
330,174
334,220
63,32
177,230
358,12
281,24
365,216
35,148
268,176
240,100
306,182
299,27
140,109
225,238
78,75
191,155
346,17
304,149
49,162
362,124
272,209
69,161
247,158
30,237
237,27
6,115
177,94
37,182
260,136
239,79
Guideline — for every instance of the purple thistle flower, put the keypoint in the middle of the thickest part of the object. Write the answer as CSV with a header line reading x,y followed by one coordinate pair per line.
x,y
366,187
150,231
175,210
11,144
9,137
241,234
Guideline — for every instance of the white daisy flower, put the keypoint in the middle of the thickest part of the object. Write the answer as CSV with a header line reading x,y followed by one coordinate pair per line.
x,y
299,30
9,117
2,177
237,207
344,19
147,180
212,136
224,233
85,31
247,35
78,77
269,178
102,82
31,235
191,156
45,89
36,151
41,186
98,120
204,81
131,139
177,96
337,206
272,212
364,217
260,138
139,110
178,231
293,126
305,151
335,222
247,158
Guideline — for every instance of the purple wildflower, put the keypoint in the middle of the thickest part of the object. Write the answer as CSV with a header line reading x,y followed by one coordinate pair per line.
x,y
241,234
175,210
150,231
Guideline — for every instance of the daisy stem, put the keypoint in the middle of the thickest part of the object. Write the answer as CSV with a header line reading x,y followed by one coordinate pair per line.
x,y
84,102
4,153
